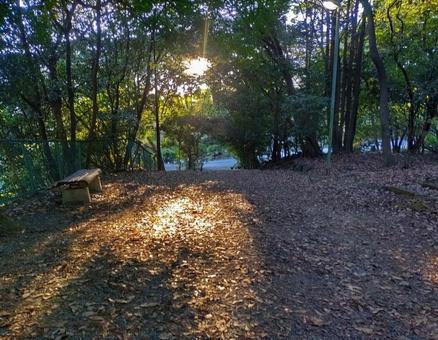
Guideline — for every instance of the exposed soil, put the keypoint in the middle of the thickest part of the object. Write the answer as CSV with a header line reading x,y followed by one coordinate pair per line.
x,y
230,254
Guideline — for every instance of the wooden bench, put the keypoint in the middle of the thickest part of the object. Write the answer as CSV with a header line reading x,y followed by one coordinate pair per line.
x,y
77,186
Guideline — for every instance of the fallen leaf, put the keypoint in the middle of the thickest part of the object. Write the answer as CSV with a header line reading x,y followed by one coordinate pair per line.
x,y
365,330
313,320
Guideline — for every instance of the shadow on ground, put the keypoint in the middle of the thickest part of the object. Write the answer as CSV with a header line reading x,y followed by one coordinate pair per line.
x,y
227,254
156,261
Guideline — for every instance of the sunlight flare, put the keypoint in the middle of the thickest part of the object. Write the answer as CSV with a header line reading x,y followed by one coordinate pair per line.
x,y
331,5
197,67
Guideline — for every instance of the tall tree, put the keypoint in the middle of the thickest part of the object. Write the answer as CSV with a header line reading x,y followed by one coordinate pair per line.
x,y
95,63
383,84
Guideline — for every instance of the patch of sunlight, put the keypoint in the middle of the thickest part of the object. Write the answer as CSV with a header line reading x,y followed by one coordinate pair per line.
x,y
221,266
177,214
210,184
431,270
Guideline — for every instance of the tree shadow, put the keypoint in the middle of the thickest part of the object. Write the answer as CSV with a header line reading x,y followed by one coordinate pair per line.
x,y
335,265
120,284
265,269
339,266
48,231
116,298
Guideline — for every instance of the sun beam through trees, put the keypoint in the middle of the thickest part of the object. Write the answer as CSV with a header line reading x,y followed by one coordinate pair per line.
x,y
250,169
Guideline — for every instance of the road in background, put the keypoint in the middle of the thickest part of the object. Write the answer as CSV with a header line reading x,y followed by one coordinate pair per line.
x,y
217,164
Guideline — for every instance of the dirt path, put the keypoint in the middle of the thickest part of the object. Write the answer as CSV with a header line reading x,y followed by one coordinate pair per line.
x,y
242,254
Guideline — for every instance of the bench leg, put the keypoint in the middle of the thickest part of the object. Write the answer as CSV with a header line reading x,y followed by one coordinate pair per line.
x,y
76,195
95,185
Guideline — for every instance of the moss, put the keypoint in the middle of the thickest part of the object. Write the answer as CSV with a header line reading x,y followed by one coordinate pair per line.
x,y
418,205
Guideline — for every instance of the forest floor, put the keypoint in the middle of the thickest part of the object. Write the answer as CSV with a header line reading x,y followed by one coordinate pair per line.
x,y
229,254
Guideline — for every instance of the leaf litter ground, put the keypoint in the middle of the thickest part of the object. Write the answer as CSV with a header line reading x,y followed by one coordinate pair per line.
x,y
231,254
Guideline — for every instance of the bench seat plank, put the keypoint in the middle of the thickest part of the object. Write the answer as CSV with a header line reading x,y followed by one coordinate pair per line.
x,y
83,176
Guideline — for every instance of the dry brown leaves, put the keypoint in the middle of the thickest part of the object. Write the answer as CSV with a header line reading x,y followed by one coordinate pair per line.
x,y
242,254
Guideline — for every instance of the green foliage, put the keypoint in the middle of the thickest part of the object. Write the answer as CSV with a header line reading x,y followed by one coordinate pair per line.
x,y
368,128
431,140
266,88
4,11
307,113
185,122
24,169
246,126
187,132
407,34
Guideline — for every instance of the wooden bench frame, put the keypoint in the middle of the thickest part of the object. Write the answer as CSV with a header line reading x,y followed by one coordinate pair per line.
x,y
77,186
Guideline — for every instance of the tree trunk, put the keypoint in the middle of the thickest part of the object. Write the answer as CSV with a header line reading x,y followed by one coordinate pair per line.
x,y
384,91
349,77
55,101
350,129
35,104
117,156
431,113
70,88
328,57
309,144
409,87
142,104
94,83
160,163
345,76
276,155
275,147
46,148
334,26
